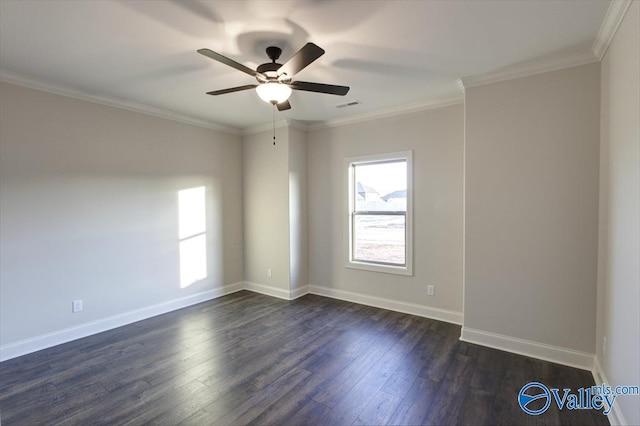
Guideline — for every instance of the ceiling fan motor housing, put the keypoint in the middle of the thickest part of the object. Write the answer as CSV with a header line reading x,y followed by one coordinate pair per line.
x,y
274,52
270,69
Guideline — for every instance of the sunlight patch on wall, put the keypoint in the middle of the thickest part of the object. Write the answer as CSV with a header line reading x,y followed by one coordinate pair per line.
x,y
192,232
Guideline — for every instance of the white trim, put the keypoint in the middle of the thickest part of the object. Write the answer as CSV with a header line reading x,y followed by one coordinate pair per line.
x,y
267,290
392,305
528,68
388,112
265,127
372,267
269,126
48,340
599,377
613,18
551,353
299,292
16,79
349,185
464,206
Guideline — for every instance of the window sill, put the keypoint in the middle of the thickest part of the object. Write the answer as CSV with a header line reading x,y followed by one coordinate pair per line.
x,y
385,269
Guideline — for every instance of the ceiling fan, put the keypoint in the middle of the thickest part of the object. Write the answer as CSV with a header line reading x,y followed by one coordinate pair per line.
x,y
274,79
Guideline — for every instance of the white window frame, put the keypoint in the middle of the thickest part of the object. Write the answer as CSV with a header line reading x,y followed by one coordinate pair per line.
x,y
349,209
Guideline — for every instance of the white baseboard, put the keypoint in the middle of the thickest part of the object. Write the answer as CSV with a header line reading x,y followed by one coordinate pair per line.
x,y
598,373
392,305
23,347
267,290
506,343
556,354
299,292
615,415
276,292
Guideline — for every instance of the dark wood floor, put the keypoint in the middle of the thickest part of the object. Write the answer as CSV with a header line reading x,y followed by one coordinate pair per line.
x,y
249,358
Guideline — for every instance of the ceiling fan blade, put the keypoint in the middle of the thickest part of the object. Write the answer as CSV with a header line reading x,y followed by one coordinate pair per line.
x,y
309,53
233,64
319,87
283,106
232,89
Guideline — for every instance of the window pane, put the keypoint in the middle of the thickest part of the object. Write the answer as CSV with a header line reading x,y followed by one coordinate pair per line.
x,y
193,260
381,186
191,212
379,238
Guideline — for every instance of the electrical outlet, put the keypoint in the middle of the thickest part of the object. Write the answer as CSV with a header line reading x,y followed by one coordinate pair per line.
x,y
269,274
76,306
431,290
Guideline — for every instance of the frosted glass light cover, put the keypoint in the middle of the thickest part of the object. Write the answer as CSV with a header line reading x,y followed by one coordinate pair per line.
x,y
273,92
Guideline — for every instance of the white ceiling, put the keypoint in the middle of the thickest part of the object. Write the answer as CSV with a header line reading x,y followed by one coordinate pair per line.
x,y
393,54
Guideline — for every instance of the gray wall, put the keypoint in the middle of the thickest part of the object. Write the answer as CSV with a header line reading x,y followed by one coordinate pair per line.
x,y
436,138
275,211
88,210
266,208
618,335
298,235
531,207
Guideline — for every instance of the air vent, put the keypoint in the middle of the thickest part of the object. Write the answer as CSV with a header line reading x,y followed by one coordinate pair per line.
x,y
349,104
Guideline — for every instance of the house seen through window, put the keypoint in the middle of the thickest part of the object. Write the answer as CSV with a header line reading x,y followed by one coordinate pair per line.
x,y
379,213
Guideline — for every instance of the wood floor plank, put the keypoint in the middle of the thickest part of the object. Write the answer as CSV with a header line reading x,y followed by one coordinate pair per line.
x,y
379,410
169,407
333,392
356,400
476,407
416,361
323,367
415,407
248,358
308,414
260,401
94,411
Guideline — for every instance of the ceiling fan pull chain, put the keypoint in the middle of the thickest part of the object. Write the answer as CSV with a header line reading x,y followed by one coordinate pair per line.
x,y
274,125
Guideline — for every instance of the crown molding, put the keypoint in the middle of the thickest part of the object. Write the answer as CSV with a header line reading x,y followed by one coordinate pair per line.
x,y
613,18
296,124
372,115
19,80
288,122
529,68
388,112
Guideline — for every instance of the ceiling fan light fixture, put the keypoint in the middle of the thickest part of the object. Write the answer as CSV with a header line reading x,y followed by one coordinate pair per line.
x,y
274,80
273,92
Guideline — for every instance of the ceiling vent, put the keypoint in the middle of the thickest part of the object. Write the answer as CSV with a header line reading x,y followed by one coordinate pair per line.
x,y
349,104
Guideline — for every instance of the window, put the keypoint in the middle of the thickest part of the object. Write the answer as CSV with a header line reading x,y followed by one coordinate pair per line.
x,y
379,219
192,232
